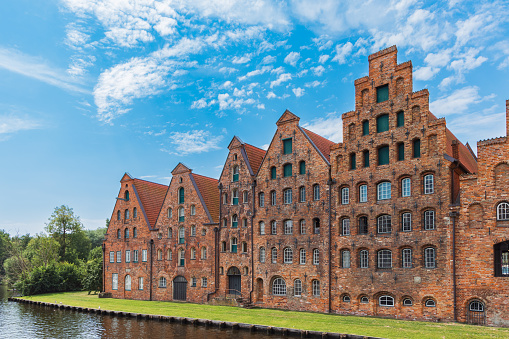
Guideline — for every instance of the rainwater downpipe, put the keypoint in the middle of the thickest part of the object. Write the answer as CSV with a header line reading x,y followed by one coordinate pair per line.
x,y
330,182
151,261
454,215
252,241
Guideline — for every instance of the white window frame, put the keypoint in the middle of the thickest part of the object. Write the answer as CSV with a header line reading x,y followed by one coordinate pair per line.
x,y
315,285
316,192
406,187
302,256
287,196
288,226
384,190
406,258
297,288
345,259
135,256
363,193
262,227
503,211
140,283
429,220
406,222
162,282
204,282
119,256
261,199
273,227
288,255
386,301
127,256
429,186
273,198
193,210
302,224
384,259
345,226
193,230
273,255
262,254
345,196
279,287
316,257
364,259
430,260
114,281
302,194
112,256
143,255
384,224
127,282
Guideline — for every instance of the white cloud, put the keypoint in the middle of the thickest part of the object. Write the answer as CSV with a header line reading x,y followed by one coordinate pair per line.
x,y
458,102
195,141
330,127
318,70
425,73
313,84
11,124
342,52
323,58
241,60
271,95
260,106
292,58
269,59
282,78
278,70
260,71
226,85
298,92
199,104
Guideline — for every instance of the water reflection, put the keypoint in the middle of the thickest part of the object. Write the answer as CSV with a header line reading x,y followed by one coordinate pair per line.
x,y
30,321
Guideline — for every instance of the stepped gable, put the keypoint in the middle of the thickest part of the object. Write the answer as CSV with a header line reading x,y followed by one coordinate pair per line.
x,y
466,159
322,144
209,192
255,156
151,196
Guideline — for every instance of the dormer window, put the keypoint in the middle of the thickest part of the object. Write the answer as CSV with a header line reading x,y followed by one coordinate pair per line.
x,y
287,146
382,93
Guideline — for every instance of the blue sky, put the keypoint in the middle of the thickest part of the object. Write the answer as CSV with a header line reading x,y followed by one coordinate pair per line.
x,y
90,89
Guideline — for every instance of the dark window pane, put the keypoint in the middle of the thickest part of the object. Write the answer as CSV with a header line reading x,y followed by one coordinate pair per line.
x,y
273,173
382,123
366,158
287,170
287,146
401,151
383,155
352,161
302,167
382,93
417,148
400,121
365,127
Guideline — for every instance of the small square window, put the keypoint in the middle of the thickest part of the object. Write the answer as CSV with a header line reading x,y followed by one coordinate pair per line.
x,y
287,146
382,93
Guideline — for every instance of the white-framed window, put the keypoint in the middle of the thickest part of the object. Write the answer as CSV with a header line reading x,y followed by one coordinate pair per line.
x,y
345,196
288,227
245,197
170,232
364,300
297,288
235,173
203,253
287,196
127,256
261,199
302,224
135,256
430,303
279,287
384,190
273,198
363,193
429,257
384,259
119,256
407,302
476,306
406,187
384,224
345,258
193,253
273,255
193,230
346,298
503,211
243,246
140,283
386,300
428,184
181,214
194,282
162,282
143,255
181,257
429,220
302,194
406,222
235,221
302,256
204,282
345,226
364,259
127,282
235,197
170,213
316,192
273,227
169,254
287,255
182,234
114,281
233,245
262,227
112,256
225,198
316,287
316,256
406,258
262,254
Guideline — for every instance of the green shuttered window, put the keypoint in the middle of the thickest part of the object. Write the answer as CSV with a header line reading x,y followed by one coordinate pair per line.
x,y
382,93
401,151
365,127
287,146
417,148
400,119
383,155
287,170
273,172
302,167
382,123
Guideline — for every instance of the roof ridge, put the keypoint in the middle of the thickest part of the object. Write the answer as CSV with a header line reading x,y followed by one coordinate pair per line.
x,y
201,175
261,149
151,182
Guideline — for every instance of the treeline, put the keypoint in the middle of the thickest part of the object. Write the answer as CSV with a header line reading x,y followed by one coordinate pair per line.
x,y
65,257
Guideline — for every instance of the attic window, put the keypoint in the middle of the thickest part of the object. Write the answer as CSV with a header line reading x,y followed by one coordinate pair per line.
x,y
382,93
235,157
126,195
180,180
287,146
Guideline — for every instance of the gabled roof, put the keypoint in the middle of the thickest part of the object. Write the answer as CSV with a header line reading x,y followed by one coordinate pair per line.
x,y
151,197
255,156
180,168
322,144
208,190
287,117
465,157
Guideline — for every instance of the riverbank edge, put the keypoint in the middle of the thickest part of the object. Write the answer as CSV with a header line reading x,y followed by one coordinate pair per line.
x,y
283,331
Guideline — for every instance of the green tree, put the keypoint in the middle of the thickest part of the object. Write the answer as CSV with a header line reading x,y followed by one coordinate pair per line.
x,y
93,271
96,236
42,251
67,229
4,250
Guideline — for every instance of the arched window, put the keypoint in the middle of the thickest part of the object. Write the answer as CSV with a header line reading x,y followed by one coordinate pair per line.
x,y
235,197
162,282
262,254
235,172
363,225
233,245
244,247
170,233
384,190
273,172
316,192
364,259
316,226
315,285
245,197
429,220
193,230
203,253
302,167
193,253
316,256
244,222
503,211
262,227
126,233
302,256
181,257
159,254
181,195
288,255
345,196
287,196
193,210
406,187
302,224
135,232
416,146
181,214
383,155
302,194
429,257
345,226
126,195
135,213
428,184
127,282
261,199
119,234
364,300
406,258
407,302
297,288
273,227
501,260
384,259
170,214
273,201
235,221
363,193
386,300
430,303
384,224
406,222
346,298
288,225
182,233
223,246
476,306
225,198
345,258
169,255
118,215
279,287
273,255
225,222
287,170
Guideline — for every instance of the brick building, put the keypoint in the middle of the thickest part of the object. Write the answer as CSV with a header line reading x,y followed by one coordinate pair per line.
x,y
380,224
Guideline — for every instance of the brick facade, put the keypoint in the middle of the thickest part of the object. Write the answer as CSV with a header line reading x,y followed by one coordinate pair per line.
x,y
381,224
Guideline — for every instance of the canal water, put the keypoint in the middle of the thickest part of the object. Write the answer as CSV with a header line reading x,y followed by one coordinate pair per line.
x,y
19,320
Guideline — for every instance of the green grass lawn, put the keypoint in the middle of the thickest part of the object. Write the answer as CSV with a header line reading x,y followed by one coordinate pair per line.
x,y
388,328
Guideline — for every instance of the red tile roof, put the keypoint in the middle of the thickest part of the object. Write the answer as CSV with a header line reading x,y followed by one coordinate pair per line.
x,y
255,156
465,157
151,197
208,188
320,142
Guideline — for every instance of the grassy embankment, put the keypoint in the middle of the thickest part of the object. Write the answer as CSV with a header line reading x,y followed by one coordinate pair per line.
x,y
388,328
